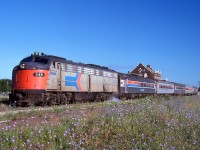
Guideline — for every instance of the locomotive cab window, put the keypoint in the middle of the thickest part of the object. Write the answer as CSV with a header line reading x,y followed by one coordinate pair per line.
x,y
40,60
35,59
28,59
54,64
58,66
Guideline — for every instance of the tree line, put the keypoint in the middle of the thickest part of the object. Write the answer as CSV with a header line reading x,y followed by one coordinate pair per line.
x,y
5,85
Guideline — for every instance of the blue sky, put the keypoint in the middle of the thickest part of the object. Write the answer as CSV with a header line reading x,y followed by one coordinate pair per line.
x,y
119,34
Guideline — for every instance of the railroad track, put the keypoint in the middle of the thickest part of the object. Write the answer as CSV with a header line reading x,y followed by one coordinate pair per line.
x,y
15,111
69,107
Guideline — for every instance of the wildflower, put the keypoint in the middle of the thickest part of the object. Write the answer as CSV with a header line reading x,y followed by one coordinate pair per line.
x,y
172,147
7,127
80,141
14,125
74,134
28,141
195,142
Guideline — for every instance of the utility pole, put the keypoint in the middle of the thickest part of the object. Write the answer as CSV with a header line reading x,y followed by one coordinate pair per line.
x,y
7,89
199,87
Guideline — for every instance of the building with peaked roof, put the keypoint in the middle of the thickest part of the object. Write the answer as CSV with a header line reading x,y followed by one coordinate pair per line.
x,y
147,72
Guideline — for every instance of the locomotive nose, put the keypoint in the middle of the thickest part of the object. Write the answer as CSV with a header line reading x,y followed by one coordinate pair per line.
x,y
31,73
29,79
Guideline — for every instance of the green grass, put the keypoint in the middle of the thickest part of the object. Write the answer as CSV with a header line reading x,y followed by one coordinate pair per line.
x,y
149,123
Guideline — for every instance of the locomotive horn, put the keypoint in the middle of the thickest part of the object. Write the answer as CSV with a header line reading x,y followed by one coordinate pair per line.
x,y
36,53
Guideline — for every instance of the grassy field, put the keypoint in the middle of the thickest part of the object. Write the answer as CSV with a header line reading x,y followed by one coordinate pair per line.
x,y
148,123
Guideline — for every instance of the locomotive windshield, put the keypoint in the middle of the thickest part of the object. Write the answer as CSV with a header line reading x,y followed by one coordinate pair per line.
x,y
40,60
28,59
35,59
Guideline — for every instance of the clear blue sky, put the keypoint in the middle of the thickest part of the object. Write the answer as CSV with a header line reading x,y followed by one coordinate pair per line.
x,y
119,34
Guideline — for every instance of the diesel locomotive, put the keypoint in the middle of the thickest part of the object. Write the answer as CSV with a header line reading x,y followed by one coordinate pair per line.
x,y
42,79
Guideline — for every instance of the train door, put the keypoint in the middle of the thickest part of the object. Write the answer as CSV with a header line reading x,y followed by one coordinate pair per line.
x,y
90,83
54,78
126,86
58,70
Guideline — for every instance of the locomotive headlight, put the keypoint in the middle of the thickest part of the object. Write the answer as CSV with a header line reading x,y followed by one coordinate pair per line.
x,y
22,66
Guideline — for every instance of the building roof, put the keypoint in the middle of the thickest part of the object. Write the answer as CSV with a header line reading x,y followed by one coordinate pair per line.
x,y
146,72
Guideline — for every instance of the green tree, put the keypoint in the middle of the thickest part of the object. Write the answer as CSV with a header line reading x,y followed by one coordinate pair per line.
x,y
5,85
